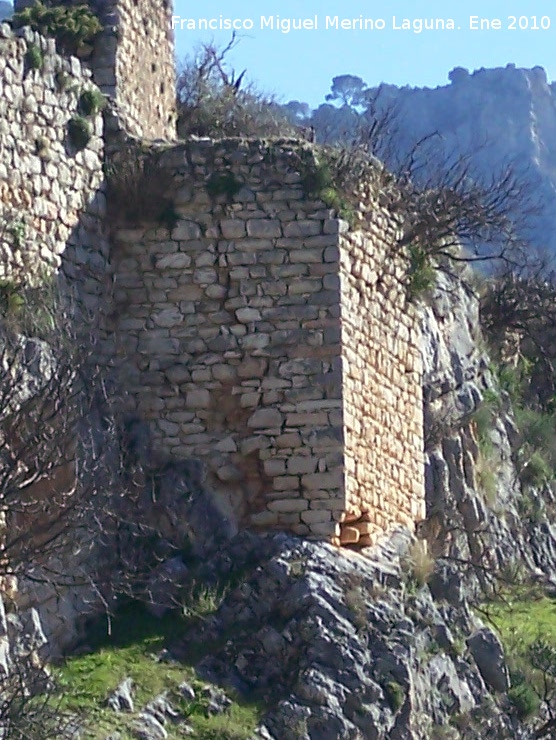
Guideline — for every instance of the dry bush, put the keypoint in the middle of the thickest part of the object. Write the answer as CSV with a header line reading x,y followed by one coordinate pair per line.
x,y
213,101
419,563
139,188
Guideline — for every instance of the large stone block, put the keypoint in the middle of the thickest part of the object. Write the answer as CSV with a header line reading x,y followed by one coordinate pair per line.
x,y
265,418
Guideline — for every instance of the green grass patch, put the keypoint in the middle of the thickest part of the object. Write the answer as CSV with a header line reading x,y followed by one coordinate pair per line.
x,y
86,681
526,623
522,616
135,640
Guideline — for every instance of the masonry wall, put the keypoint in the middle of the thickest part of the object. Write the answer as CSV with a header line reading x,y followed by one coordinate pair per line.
x,y
52,217
230,327
133,63
49,192
256,336
382,392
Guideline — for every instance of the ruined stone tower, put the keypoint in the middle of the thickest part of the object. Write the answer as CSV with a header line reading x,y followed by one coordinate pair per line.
x,y
250,327
133,63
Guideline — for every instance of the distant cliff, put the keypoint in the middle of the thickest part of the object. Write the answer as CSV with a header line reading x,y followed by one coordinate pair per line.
x,y
497,116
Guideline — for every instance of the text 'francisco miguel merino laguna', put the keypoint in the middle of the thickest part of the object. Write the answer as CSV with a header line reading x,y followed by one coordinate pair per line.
x,y
314,23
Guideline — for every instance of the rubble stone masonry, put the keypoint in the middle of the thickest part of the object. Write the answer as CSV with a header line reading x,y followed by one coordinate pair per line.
x,y
381,382
50,193
250,326
261,336
133,63
256,332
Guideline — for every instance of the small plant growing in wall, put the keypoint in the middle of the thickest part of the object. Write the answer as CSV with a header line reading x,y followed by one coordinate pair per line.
x,y
91,102
139,189
223,184
11,299
16,231
418,565
34,57
42,147
63,80
395,695
326,180
79,132
421,273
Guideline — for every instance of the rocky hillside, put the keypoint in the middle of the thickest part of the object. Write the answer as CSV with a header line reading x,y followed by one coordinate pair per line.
x,y
279,638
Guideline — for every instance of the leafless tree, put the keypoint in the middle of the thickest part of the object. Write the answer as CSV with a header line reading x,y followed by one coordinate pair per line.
x,y
518,314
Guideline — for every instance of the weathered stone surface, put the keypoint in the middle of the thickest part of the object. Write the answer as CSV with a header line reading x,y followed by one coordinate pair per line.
x,y
265,418
121,699
339,649
487,650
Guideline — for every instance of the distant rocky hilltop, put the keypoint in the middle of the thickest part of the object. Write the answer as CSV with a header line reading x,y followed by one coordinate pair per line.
x,y
498,116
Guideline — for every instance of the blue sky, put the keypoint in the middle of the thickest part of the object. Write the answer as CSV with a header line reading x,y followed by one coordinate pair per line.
x,y
300,64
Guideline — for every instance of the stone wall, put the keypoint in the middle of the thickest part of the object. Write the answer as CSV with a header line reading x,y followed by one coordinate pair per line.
x,y
52,218
133,63
227,321
50,193
245,344
382,394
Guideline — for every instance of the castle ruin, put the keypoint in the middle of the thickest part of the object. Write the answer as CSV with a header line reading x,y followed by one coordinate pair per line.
x,y
257,331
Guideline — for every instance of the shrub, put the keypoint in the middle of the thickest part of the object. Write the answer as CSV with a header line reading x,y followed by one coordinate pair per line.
x,y
536,471
395,695
212,101
421,273
323,180
223,184
203,601
11,299
419,564
79,131
524,700
355,602
63,80
73,27
34,57
139,189
91,102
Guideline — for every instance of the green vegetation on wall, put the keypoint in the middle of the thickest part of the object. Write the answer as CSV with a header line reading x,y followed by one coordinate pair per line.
x,y
224,183
91,102
34,57
536,424
73,27
421,273
139,189
79,132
